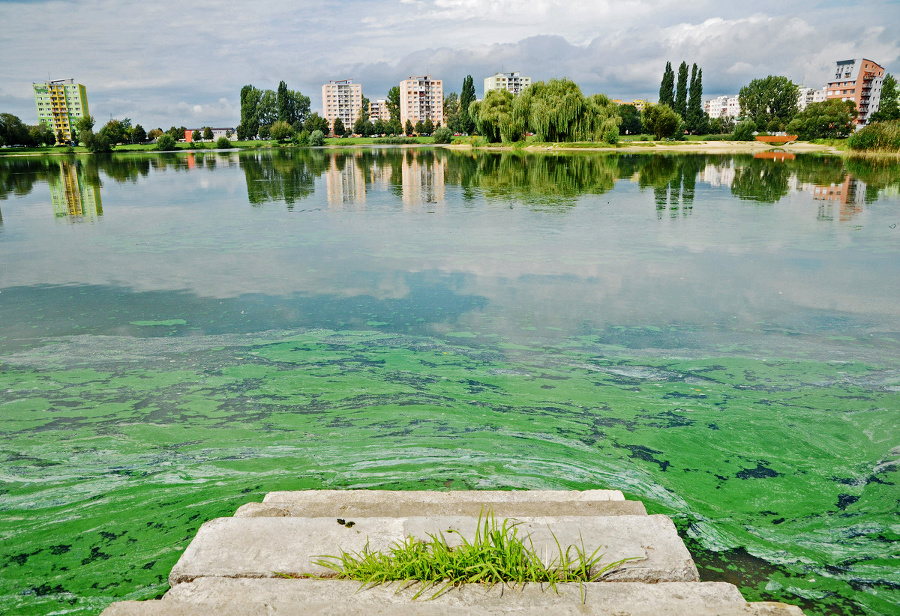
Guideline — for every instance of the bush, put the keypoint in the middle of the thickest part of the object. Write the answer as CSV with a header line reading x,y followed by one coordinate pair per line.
x,y
744,131
223,143
443,135
611,136
165,142
317,138
302,138
883,136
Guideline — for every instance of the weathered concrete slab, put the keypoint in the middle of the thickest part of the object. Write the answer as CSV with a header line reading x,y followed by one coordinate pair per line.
x,y
460,496
364,509
264,547
241,597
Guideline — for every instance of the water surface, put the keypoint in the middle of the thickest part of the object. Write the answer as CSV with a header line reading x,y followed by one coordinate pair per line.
x,y
717,336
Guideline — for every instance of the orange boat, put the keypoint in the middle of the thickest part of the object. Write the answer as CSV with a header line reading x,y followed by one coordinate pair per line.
x,y
776,138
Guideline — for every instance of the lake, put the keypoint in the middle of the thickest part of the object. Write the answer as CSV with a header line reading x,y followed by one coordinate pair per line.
x,y
717,336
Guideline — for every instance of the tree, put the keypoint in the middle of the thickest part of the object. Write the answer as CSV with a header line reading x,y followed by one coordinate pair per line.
x,y
291,106
556,110
395,128
223,143
84,123
317,138
680,106
249,126
362,126
667,87
451,111
338,127
660,120
155,133
443,135
888,108
631,120
12,130
268,108
316,122
138,134
419,127
696,119
379,127
409,127
428,128
494,117
281,130
283,102
165,142
40,134
393,102
831,119
768,99
196,135
207,132
744,130
466,98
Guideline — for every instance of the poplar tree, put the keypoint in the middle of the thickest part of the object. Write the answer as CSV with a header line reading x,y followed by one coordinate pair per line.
x,y
695,111
667,87
466,98
681,91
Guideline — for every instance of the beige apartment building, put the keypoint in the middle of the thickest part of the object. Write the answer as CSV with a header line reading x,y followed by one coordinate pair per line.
x,y
341,99
378,109
422,98
514,82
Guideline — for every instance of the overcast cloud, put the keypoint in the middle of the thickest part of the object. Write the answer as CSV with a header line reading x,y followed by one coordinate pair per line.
x,y
164,63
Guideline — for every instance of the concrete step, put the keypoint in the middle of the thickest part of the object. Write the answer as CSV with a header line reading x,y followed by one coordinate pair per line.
x,y
259,547
243,597
336,497
363,509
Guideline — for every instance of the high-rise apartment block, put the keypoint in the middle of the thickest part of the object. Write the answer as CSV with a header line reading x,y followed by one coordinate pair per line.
x,y
60,104
422,98
858,80
514,82
806,96
723,107
341,99
378,110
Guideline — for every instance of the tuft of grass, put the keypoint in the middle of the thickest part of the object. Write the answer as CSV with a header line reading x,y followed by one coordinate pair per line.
x,y
497,555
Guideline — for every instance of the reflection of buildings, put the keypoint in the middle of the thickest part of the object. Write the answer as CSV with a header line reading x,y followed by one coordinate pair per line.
x,y
717,175
422,179
346,184
72,195
849,196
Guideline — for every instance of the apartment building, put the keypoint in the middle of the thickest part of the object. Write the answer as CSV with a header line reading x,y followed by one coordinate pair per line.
x,y
639,103
341,99
422,98
723,107
378,109
60,103
806,96
858,80
514,82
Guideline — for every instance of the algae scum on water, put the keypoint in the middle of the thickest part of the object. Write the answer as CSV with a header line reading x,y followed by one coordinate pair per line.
x,y
428,321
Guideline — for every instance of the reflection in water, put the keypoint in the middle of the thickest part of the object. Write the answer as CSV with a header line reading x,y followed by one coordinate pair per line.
x,y
346,184
74,193
422,178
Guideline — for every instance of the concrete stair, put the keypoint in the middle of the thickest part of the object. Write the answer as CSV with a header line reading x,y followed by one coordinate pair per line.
x,y
237,565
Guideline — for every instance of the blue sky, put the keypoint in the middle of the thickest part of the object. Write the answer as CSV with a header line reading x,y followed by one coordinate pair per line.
x,y
164,63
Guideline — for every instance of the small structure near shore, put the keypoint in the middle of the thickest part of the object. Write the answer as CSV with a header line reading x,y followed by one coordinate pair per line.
x,y
241,565
776,138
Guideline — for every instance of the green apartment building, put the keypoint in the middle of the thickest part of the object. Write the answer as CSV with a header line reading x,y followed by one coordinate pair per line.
x,y
60,103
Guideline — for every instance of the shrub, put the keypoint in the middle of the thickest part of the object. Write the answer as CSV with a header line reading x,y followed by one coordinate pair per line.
x,y
878,136
744,131
611,136
396,140
223,143
165,142
317,138
443,135
302,138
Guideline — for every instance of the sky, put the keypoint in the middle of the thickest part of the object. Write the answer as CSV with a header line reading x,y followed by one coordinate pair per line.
x,y
163,63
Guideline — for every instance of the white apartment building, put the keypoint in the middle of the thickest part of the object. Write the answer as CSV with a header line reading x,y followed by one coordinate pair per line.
x,y
806,96
378,109
422,98
723,107
341,99
514,82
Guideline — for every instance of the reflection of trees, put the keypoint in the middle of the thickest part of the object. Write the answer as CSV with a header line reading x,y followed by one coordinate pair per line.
x,y
119,167
19,174
673,180
544,179
878,174
765,181
283,175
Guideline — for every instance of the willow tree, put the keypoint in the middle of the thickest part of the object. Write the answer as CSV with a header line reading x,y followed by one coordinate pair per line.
x,y
494,117
558,111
